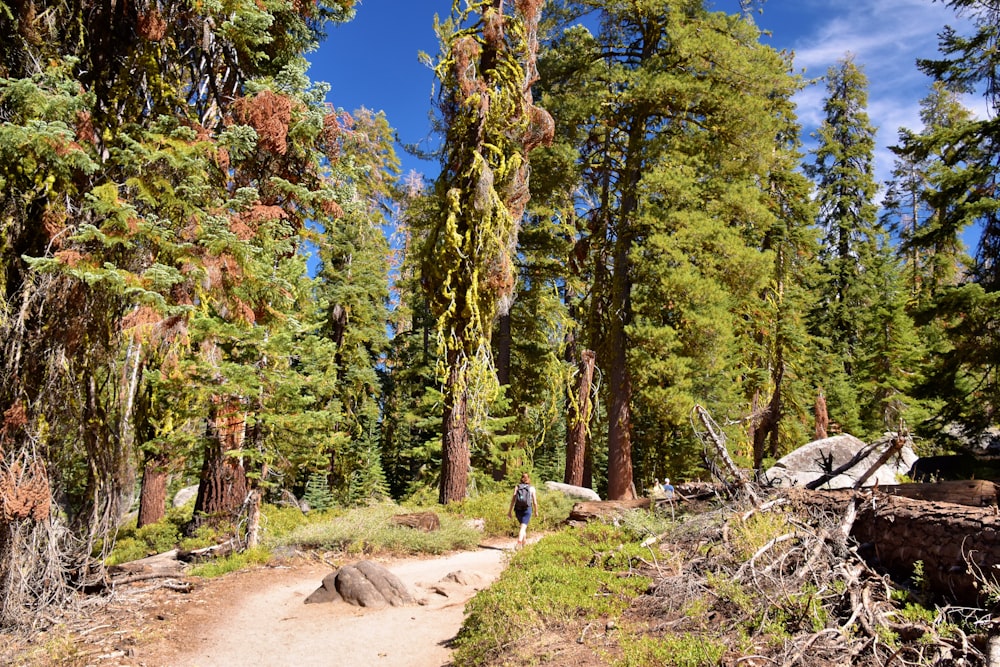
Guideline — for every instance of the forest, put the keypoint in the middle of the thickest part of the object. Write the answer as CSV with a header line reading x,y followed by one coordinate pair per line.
x,y
211,275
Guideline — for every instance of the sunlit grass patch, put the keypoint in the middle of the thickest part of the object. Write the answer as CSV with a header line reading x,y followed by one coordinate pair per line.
x,y
572,574
369,530
234,562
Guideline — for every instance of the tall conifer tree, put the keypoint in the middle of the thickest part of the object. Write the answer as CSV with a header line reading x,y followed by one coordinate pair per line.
x,y
965,185
157,166
676,115
486,70
861,304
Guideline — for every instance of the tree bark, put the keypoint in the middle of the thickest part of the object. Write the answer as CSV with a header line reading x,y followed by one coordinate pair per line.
x,y
153,491
620,430
455,435
579,421
223,482
822,419
766,426
503,349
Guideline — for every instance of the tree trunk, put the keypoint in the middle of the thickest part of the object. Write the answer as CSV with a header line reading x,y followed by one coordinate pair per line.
x,y
579,421
455,435
620,483
153,492
502,362
503,349
765,430
253,517
620,429
223,482
822,418
896,532
620,486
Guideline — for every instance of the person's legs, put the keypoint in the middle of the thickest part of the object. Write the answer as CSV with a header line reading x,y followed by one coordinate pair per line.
x,y
523,517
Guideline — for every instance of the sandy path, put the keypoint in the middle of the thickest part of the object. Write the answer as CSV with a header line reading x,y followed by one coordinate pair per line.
x,y
261,620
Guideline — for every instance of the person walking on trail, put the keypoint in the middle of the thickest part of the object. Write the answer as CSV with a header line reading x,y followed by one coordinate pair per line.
x,y
523,503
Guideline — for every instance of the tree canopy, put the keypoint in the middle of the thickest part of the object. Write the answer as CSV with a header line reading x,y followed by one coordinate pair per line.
x,y
211,274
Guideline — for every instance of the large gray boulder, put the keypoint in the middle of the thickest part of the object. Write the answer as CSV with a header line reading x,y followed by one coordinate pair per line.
x,y
185,496
812,460
364,584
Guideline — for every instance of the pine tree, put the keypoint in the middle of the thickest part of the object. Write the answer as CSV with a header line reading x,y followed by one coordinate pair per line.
x,y
156,179
964,185
919,199
674,114
353,288
861,311
779,382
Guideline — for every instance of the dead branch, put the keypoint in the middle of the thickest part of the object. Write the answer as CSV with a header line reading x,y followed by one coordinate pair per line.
x,y
896,443
148,576
763,550
714,441
855,460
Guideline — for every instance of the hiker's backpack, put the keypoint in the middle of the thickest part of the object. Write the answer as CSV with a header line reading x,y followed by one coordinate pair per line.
x,y
522,497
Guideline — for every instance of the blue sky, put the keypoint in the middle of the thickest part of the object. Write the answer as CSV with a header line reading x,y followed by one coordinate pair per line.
x,y
372,61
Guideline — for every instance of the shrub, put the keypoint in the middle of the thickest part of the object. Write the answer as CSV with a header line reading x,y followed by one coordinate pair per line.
x,y
369,530
682,650
570,574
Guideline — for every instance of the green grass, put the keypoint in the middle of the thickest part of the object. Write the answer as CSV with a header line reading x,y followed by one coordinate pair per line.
x,y
553,508
571,574
681,650
232,563
358,531
368,530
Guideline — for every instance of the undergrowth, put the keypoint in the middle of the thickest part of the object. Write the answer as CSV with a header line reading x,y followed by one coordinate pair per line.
x,y
357,531
368,530
571,574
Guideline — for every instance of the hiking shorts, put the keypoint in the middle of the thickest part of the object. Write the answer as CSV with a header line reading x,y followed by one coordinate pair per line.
x,y
523,516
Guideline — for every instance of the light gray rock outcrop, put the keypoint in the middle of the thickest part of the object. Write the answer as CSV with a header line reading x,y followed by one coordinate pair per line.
x,y
812,460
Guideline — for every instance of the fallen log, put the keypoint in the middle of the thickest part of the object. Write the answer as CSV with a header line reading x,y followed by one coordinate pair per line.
x,y
972,492
958,546
164,564
604,509
425,521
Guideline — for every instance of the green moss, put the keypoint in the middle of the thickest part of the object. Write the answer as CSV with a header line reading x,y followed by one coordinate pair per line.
x,y
232,563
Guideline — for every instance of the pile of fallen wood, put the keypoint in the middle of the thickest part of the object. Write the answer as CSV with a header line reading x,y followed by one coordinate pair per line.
x,y
803,597
836,579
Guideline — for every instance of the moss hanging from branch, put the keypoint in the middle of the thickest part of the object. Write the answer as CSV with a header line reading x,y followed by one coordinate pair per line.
x,y
486,69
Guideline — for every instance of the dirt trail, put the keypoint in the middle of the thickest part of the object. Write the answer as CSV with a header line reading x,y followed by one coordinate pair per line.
x,y
258,618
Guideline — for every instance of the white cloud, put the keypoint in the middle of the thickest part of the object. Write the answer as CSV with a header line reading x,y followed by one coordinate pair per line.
x,y
885,37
